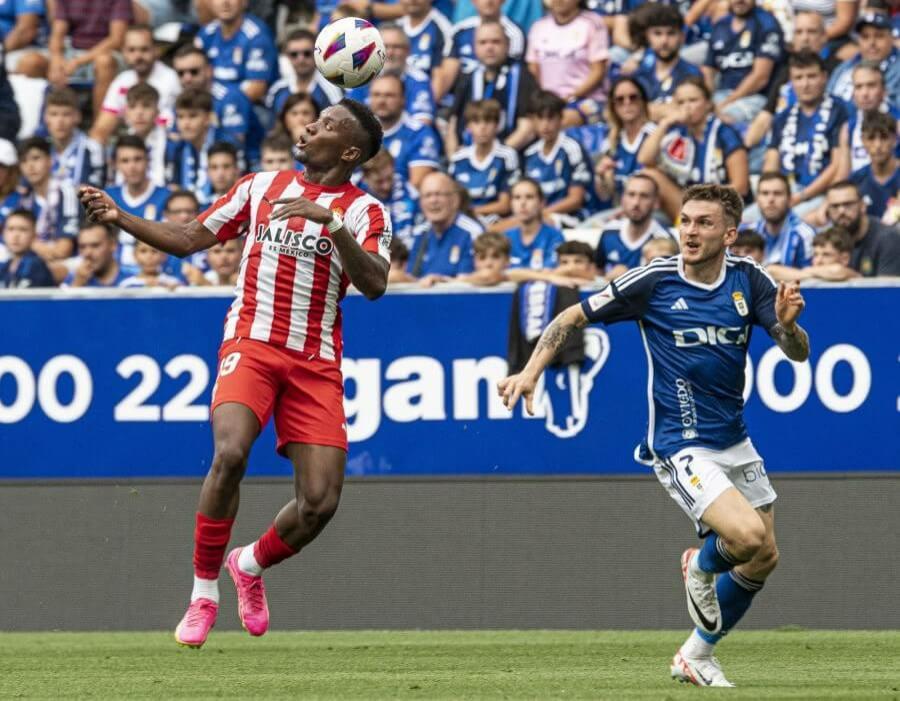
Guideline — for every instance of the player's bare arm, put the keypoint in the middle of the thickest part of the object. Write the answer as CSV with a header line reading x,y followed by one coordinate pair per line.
x,y
367,271
178,239
787,333
549,344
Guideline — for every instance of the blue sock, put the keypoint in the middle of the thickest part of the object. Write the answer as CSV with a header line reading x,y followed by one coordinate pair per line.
x,y
714,558
735,593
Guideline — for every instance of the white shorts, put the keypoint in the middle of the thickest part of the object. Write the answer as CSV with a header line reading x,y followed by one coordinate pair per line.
x,y
695,477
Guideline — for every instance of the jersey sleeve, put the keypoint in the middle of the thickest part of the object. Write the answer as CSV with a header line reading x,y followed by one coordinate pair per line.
x,y
420,102
770,41
624,299
262,57
729,140
553,242
30,7
426,151
225,217
763,289
370,224
581,174
600,254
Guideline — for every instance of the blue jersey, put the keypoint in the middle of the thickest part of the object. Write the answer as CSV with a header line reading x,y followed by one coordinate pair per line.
x,y
427,41
696,337
485,180
661,90
9,15
615,248
567,164
416,87
187,167
690,161
250,54
841,81
148,206
732,53
237,119
30,271
540,253
448,254
462,42
57,216
323,92
412,143
805,142
94,282
876,194
791,245
859,157
626,152
82,162
404,208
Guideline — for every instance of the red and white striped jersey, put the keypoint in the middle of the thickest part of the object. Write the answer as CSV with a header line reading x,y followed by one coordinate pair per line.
x,y
291,278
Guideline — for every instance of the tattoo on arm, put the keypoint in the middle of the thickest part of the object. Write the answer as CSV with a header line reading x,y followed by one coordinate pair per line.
x,y
795,346
555,336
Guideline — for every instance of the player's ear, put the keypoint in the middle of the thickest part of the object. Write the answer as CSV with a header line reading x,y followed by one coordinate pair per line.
x,y
731,234
352,154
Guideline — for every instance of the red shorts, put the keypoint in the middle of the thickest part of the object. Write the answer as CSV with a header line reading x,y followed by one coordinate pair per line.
x,y
306,396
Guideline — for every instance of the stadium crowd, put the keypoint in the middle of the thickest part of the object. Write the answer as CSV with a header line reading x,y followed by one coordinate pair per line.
x,y
523,142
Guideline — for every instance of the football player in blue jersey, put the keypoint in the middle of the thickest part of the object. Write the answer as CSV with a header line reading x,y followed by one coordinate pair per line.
x,y
787,238
486,168
414,146
622,240
240,47
558,162
662,68
416,83
695,312
744,47
879,181
428,31
805,137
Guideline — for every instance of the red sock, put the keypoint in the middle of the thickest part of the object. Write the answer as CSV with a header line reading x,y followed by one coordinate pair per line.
x,y
270,549
210,540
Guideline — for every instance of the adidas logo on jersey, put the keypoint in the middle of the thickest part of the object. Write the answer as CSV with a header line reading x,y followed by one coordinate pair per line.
x,y
680,305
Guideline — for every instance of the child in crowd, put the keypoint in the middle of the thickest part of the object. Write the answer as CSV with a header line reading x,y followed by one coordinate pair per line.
x,y
380,179
143,120
76,157
491,260
224,168
276,153
25,268
662,248
399,261
533,242
575,260
224,260
878,182
150,263
748,244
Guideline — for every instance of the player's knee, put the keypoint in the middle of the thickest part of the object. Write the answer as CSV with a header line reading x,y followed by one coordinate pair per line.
x,y
748,539
319,503
229,461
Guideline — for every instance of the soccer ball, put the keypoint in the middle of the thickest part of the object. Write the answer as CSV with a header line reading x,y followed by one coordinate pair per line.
x,y
349,52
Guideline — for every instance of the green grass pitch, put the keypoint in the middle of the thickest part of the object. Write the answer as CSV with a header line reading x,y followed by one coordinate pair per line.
x,y
442,665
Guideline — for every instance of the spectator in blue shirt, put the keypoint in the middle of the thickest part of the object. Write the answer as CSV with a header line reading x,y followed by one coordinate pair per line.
x,y
868,94
744,47
533,242
414,146
380,179
428,31
875,44
299,48
442,246
805,137
416,83
558,162
241,49
235,116
97,246
224,163
77,158
487,168
23,26
879,182
787,239
25,268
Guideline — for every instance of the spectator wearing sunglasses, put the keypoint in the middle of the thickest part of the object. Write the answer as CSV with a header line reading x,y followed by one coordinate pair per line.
x,y
236,119
298,47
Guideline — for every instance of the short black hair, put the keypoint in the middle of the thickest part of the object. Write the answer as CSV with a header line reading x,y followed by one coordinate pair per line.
x,y
774,175
193,99
877,122
370,132
129,141
183,193
223,147
38,142
277,141
659,15
806,58
750,239
298,34
731,202
25,214
112,233
547,104
189,50
576,248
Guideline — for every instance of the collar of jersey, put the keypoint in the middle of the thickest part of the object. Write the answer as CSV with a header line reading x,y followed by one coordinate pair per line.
x,y
701,285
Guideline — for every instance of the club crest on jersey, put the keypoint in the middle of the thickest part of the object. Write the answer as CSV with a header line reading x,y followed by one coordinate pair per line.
x,y
746,38
740,303
295,243
338,210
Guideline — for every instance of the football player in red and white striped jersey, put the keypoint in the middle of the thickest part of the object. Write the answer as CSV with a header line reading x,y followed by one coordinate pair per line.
x,y
308,236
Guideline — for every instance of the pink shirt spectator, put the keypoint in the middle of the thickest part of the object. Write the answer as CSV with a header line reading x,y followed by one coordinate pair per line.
x,y
89,19
565,52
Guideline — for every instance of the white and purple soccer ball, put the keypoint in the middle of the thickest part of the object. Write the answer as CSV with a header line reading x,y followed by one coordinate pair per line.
x,y
349,52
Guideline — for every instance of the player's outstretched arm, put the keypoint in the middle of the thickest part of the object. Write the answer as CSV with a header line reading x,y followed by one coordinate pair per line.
x,y
787,333
549,344
178,239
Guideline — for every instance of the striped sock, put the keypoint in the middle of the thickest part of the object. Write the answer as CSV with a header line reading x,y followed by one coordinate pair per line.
x,y
714,557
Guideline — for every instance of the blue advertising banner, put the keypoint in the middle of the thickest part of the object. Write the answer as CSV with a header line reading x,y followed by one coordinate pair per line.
x,y
119,388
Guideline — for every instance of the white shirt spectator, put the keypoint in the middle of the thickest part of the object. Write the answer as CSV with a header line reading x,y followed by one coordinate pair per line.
x,y
163,78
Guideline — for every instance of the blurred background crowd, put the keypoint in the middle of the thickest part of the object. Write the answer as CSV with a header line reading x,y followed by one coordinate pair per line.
x,y
524,141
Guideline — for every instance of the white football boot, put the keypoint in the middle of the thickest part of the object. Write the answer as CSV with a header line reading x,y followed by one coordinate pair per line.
x,y
700,588
700,671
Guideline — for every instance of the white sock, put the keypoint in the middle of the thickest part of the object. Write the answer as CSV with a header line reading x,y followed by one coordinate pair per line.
x,y
205,589
695,646
247,563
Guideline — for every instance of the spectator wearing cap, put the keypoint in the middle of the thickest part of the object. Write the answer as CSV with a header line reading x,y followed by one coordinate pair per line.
x,y
879,181
428,31
787,239
876,246
9,125
497,77
299,49
240,48
143,67
876,44
868,95
416,83
744,47
84,40
23,25
24,268
568,53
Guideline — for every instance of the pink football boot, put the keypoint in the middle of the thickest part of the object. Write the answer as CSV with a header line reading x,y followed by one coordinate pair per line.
x,y
251,592
197,622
